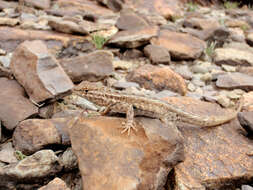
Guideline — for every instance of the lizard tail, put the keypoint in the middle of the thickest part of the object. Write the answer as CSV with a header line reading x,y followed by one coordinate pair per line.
x,y
210,121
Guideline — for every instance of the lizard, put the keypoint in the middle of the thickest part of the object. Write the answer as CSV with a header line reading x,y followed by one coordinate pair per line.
x,y
132,105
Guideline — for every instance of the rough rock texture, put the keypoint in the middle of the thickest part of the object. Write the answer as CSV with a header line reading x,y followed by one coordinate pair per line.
x,y
134,38
211,160
15,107
160,78
180,45
56,184
235,80
8,21
7,153
34,134
157,54
93,66
39,72
42,164
41,4
246,121
140,161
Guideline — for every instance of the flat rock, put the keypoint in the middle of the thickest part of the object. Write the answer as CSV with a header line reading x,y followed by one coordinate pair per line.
x,y
55,184
8,21
15,107
35,134
159,78
7,4
45,78
157,54
211,160
234,54
129,20
92,66
41,164
134,38
235,80
41,4
181,46
139,161
165,8
10,38
246,121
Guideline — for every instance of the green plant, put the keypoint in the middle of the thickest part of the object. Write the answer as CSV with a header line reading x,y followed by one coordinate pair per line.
x,y
210,48
19,155
244,27
231,5
99,41
191,7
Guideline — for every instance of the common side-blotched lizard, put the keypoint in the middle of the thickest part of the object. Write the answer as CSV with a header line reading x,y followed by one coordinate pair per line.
x,y
132,105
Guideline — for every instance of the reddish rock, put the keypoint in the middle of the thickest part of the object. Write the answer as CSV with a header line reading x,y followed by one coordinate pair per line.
x,y
34,134
39,72
134,38
157,54
129,20
180,45
93,66
56,184
211,160
15,107
41,4
159,78
234,81
139,161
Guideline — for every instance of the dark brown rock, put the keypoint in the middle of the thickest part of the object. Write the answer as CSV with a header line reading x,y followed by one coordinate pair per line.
x,y
44,78
139,161
93,66
56,184
157,54
15,107
41,4
133,54
129,20
235,80
180,45
34,134
134,38
246,121
211,160
159,78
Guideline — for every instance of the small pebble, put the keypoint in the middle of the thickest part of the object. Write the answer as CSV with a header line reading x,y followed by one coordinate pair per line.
x,y
228,68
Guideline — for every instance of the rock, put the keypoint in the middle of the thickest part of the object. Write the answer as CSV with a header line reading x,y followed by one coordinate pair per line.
x,y
201,23
234,54
122,64
211,160
132,54
247,187
15,107
246,70
66,26
129,162
228,68
124,85
165,8
92,66
8,21
45,78
180,45
68,160
157,54
249,38
202,67
129,20
7,4
115,5
7,153
235,80
34,134
41,164
159,78
134,38
224,101
246,121
41,4
56,184
248,101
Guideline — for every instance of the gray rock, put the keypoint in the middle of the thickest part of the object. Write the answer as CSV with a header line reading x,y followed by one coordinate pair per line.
x,y
41,4
157,54
246,121
247,187
68,160
7,153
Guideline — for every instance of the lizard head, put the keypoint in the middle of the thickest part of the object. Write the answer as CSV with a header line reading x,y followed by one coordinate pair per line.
x,y
85,87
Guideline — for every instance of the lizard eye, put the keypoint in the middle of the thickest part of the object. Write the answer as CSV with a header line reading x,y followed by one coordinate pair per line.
x,y
86,91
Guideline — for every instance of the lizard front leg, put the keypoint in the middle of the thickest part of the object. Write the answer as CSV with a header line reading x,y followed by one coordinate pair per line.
x,y
130,120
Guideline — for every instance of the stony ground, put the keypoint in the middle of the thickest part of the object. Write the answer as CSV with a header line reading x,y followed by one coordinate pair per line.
x,y
198,58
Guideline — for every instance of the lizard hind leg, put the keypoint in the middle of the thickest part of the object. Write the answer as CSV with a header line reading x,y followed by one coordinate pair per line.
x,y
129,124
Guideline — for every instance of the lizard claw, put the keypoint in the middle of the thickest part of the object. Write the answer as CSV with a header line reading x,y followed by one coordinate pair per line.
x,y
127,127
